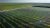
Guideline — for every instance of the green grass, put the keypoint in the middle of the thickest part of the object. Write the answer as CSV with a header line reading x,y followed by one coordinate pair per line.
x,y
6,6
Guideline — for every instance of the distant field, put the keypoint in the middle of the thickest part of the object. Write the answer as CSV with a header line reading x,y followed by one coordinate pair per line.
x,y
41,4
6,6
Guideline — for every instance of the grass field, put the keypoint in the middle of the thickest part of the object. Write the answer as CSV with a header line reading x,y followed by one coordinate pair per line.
x,y
5,6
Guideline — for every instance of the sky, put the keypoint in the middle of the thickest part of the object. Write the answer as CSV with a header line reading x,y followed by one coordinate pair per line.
x,y
26,1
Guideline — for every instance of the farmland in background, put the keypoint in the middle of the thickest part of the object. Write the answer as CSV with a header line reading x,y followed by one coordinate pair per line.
x,y
6,6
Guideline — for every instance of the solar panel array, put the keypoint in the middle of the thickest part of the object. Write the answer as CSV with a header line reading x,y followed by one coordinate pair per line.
x,y
22,18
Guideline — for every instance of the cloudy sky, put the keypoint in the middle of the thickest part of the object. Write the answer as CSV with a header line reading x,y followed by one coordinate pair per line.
x,y
26,1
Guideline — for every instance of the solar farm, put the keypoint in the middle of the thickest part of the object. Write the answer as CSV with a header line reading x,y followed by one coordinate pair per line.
x,y
24,17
